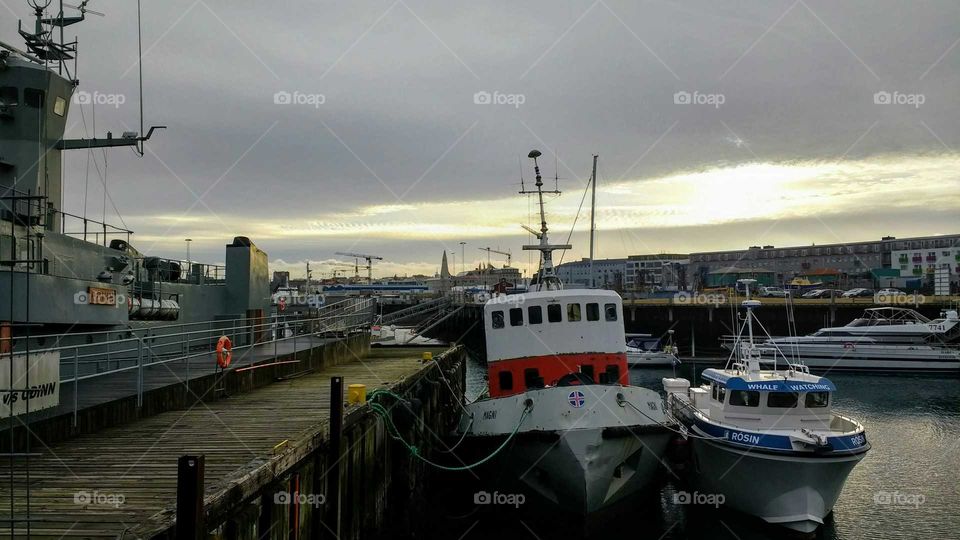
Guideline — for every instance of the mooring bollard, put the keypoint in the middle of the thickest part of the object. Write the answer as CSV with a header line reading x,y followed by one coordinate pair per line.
x,y
190,498
331,512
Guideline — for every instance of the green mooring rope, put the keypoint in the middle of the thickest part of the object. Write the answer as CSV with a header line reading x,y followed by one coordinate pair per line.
x,y
382,412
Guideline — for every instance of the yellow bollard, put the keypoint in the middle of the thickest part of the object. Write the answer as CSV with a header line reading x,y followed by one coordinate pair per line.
x,y
356,394
427,357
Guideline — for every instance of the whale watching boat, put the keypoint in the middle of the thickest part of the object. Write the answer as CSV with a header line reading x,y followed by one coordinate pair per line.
x,y
767,440
882,339
582,437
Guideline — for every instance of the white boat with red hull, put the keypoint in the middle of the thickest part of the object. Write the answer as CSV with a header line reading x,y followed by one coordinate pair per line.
x,y
582,436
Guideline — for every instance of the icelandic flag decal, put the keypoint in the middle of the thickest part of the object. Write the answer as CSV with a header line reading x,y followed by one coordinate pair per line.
x,y
576,399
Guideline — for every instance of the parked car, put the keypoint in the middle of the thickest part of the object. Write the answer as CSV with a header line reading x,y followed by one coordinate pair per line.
x,y
858,293
773,292
814,293
890,292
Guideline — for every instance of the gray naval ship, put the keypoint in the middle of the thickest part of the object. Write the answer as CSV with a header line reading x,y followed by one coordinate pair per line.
x,y
67,279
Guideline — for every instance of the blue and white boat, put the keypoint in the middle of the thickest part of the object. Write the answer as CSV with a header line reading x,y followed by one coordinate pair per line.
x,y
767,442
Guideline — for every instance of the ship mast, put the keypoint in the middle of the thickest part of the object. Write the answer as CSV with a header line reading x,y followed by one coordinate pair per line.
x,y
546,277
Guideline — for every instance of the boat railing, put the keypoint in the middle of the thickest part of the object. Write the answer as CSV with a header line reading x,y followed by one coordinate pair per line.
x,y
91,230
181,347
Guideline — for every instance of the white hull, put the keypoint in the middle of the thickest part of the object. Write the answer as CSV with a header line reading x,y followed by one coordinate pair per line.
x,y
796,492
855,357
585,458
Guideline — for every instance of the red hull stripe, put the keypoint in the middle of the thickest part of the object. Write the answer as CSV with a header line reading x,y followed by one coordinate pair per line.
x,y
509,377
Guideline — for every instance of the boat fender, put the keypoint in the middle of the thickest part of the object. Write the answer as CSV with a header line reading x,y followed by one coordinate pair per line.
x,y
224,352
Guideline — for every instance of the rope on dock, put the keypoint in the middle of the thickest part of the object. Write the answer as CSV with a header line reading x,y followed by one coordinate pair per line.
x,y
382,412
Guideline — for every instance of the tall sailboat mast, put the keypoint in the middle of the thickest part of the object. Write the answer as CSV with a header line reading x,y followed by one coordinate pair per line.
x,y
593,212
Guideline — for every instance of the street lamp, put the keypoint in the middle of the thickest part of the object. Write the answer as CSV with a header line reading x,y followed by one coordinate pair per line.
x,y
188,240
462,258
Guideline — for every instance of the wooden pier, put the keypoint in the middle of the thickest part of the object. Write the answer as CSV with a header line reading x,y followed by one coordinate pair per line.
x,y
122,482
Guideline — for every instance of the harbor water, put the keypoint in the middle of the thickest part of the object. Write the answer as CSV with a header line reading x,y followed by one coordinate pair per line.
x,y
908,486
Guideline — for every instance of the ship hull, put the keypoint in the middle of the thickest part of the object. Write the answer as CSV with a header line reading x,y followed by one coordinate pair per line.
x,y
582,459
793,491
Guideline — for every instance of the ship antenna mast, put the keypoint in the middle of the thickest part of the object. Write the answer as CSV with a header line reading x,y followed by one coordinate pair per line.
x,y
546,277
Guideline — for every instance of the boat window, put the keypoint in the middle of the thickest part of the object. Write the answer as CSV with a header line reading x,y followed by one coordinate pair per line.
x,y
59,106
573,312
593,311
610,311
532,378
498,319
554,313
745,398
506,380
721,393
613,374
534,315
713,387
516,316
816,400
782,400
8,96
33,97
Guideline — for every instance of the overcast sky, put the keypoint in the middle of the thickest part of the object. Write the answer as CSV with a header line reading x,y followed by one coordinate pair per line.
x,y
719,125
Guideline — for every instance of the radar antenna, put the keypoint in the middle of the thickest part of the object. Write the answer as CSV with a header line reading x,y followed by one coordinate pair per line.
x,y
546,277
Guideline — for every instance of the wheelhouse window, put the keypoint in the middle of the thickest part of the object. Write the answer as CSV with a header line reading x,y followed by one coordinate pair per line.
x,y
532,378
59,106
816,400
745,398
593,311
610,312
782,400
497,319
534,315
573,312
33,97
9,96
554,313
516,317
721,393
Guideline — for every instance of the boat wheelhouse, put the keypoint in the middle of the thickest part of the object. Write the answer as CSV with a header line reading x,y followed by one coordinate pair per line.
x,y
577,334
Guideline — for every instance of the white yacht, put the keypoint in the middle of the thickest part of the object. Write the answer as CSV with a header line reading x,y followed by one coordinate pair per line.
x,y
559,414
882,339
646,350
767,442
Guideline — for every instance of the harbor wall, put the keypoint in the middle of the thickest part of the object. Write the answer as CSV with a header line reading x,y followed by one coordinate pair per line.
x,y
381,485
208,387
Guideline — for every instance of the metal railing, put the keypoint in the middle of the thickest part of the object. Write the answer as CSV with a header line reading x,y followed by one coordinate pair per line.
x,y
148,347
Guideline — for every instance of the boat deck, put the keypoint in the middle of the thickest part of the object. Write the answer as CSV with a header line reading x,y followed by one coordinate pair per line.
x,y
107,484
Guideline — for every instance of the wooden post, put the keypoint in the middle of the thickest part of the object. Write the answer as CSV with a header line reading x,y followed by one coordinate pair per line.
x,y
331,513
190,498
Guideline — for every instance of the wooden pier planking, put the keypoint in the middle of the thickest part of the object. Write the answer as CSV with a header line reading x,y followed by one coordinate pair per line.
x,y
139,460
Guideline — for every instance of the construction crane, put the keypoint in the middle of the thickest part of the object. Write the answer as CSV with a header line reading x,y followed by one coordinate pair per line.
x,y
344,266
491,250
369,259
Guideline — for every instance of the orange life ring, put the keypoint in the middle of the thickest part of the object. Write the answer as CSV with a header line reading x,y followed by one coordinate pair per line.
x,y
282,303
224,352
849,345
